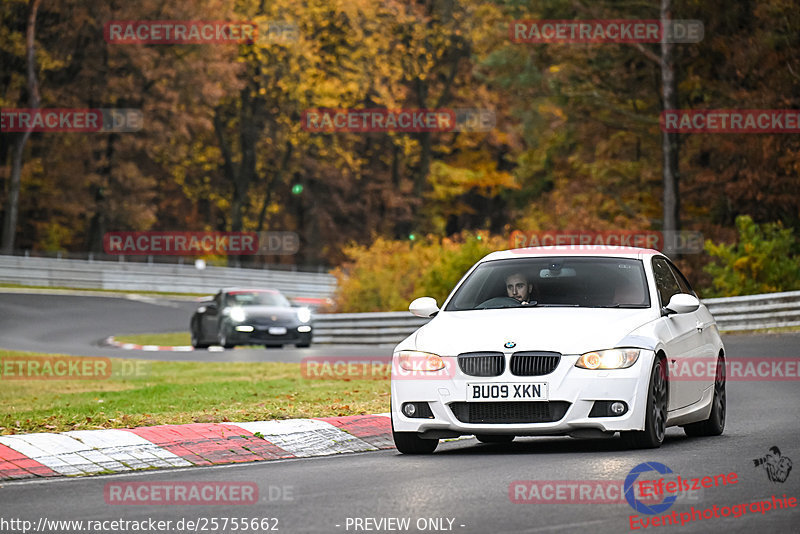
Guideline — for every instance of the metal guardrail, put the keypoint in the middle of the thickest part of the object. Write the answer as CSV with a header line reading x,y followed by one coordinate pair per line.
x,y
49,272
750,312
380,328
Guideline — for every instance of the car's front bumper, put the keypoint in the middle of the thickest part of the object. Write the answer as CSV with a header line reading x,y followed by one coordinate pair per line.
x,y
570,386
260,335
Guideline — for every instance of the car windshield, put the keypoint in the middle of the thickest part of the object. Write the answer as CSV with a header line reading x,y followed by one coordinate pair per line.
x,y
553,281
257,298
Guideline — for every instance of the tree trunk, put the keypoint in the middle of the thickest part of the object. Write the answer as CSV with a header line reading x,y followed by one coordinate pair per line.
x,y
669,141
275,181
12,203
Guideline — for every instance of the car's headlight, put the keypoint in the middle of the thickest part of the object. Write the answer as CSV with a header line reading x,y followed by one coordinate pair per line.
x,y
414,360
303,315
236,314
608,359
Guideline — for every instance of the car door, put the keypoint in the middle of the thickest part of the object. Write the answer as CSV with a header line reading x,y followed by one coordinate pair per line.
x,y
684,344
705,332
211,318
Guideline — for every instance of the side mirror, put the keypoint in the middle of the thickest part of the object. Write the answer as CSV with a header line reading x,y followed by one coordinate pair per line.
x,y
211,306
424,307
682,303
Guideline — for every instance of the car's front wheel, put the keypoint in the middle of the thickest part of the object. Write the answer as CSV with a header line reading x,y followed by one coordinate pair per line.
x,y
494,438
655,424
715,424
224,336
411,443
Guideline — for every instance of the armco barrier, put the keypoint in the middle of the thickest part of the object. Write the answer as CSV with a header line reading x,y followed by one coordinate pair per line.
x,y
751,312
50,272
365,328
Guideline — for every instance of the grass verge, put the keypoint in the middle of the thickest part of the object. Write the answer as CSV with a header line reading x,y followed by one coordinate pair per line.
x,y
167,339
143,393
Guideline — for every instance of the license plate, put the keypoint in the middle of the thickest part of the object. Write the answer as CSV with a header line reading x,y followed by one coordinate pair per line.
x,y
493,391
277,330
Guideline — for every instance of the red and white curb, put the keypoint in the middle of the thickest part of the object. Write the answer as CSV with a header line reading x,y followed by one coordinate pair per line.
x,y
154,348
88,452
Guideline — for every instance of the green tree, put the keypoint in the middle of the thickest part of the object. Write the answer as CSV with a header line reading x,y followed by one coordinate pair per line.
x,y
387,275
764,260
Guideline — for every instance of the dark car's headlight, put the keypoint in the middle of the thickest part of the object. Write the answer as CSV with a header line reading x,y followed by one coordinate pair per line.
x,y
236,314
608,359
303,315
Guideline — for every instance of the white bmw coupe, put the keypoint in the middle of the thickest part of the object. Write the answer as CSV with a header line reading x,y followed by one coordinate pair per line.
x,y
550,341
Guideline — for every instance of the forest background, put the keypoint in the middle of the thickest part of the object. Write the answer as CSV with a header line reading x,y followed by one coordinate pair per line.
x,y
576,146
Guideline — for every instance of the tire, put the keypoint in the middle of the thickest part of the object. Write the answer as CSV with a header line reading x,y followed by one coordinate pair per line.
x,y
495,438
196,339
715,424
303,345
223,336
411,443
655,421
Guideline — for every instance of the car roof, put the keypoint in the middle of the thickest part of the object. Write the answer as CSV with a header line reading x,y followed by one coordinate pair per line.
x,y
248,290
597,251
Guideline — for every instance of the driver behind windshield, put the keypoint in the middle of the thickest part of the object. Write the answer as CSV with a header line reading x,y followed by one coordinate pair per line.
x,y
518,288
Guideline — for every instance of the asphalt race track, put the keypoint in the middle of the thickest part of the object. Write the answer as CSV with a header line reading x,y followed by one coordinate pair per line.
x,y
77,325
464,481
469,482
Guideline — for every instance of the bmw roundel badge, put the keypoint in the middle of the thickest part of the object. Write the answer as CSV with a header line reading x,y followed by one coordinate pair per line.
x,y
510,345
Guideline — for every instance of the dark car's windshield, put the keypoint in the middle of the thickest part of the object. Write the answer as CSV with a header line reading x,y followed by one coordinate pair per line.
x,y
554,281
256,298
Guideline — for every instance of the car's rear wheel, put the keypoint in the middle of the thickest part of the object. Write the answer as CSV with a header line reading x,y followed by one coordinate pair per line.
x,y
655,424
195,335
715,424
494,438
303,345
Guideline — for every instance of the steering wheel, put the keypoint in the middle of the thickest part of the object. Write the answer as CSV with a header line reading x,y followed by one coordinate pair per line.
x,y
498,302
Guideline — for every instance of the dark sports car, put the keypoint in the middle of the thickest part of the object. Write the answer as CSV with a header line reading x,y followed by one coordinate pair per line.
x,y
250,317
